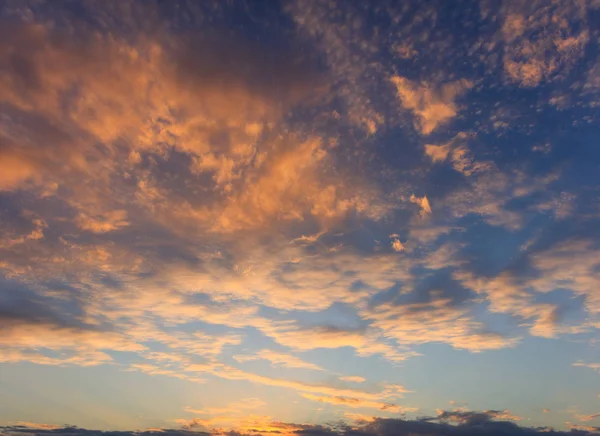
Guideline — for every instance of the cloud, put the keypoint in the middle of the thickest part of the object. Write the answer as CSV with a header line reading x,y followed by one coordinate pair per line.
x,y
108,221
252,424
397,245
488,192
283,185
358,403
584,418
258,175
51,337
38,426
564,264
231,373
226,195
232,408
29,322
431,106
34,234
542,43
458,153
584,428
436,321
353,379
437,153
571,262
423,203
366,343
184,201
17,430
363,425
278,359
159,370
358,417
16,170
594,366
351,59
467,417
78,357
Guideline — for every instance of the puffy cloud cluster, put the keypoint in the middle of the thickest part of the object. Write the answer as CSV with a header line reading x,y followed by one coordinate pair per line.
x,y
215,121
542,40
431,107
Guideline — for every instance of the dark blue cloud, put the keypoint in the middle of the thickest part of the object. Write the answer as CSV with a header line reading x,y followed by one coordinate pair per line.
x,y
473,424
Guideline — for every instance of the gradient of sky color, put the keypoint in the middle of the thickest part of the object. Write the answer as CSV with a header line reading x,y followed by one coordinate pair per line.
x,y
349,217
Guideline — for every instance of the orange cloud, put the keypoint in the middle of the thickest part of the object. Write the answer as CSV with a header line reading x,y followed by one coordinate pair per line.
x,y
359,418
78,358
108,221
159,370
232,373
38,426
423,203
459,154
31,336
437,153
261,174
585,418
431,106
232,408
279,359
15,169
561,35
250,424
580,427
242,174
397,245
435,321
358,403
353,379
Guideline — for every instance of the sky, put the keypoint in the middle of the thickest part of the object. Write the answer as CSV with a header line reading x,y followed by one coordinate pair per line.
x,y
300,217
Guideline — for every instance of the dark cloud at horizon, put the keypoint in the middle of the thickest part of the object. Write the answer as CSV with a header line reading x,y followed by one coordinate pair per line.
x,y
472,424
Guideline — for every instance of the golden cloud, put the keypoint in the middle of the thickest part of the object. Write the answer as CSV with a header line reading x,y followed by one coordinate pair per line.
x,y
227,120
431,106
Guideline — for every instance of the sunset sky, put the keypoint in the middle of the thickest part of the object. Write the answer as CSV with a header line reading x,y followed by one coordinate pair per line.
x,y
300,217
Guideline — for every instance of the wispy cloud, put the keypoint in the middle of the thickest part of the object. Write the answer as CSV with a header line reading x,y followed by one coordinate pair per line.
x,y
358,403
278,359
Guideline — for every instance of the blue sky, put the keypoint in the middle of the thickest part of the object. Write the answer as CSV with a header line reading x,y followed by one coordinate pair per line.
x,y
256,217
